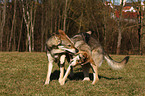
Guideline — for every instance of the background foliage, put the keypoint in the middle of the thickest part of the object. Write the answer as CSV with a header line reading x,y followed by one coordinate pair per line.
x,y
26,25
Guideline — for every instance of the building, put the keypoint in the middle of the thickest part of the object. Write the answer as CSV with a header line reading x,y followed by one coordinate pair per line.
x,y
129,11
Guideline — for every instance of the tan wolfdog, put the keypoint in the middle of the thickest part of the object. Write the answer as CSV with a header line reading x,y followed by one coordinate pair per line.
x,y
58,47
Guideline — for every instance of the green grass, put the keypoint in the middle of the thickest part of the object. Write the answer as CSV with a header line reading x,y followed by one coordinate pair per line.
x,y
25,74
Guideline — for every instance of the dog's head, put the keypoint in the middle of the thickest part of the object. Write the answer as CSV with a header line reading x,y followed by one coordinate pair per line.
x,y
66,43
81,58
53,41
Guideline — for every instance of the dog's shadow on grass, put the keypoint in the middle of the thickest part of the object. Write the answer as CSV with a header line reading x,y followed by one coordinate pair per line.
x,y
80,76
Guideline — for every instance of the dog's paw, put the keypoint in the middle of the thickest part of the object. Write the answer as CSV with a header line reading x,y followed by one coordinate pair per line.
x,y
46,82
95,81
86,79
61,82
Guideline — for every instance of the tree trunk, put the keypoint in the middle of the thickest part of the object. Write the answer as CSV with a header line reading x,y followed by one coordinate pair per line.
x,y
26,16
65,16
29,38
14,39
32,27
12,29
20,35
42,29
119,39
32,16
2,25
80,25
119,30
139,31
104,27
51,17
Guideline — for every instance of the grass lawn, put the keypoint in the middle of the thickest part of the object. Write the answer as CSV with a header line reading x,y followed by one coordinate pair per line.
x,y
25,74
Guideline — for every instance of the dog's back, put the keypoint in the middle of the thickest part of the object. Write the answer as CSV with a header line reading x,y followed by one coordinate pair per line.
x,y
98,53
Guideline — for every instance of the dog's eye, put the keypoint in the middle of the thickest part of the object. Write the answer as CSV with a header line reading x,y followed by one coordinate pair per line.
x,y
59,41
69,45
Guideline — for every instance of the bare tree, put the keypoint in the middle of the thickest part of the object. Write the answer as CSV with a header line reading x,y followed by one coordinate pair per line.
x,y
29,18
44,24
140,28
20,35
65,15
119,29
29,26
33,16
12,36
26,16
42,29
2,24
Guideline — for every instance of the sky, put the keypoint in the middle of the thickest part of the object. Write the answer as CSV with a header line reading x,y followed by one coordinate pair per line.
x,y
117,1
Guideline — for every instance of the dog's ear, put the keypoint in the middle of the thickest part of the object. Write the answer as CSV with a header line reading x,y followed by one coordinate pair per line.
x,y
61,32
64,36
89,32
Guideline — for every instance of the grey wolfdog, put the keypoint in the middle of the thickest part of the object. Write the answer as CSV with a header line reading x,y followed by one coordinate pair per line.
x,y
58,48
90,50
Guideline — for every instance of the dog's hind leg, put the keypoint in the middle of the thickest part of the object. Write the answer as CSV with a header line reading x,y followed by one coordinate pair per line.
x,y
62,60
50,65
98,59
95,73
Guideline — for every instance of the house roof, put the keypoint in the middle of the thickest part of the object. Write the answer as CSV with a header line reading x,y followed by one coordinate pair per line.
x,y
126,7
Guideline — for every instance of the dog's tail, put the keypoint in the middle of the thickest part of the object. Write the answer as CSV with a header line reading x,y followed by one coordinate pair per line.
x,y
114,64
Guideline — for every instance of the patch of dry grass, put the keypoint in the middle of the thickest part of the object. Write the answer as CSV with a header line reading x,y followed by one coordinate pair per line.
x,y
25,73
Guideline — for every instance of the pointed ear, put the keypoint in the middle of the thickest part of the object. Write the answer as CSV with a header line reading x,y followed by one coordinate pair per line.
x,y
89,32
65,37
61,32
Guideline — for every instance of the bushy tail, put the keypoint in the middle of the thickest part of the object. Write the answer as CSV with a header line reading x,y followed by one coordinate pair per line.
x,y
114,64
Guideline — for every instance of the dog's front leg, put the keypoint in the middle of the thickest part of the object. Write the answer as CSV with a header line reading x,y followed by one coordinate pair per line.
x,y
50,65
62,60
71,72
66,75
